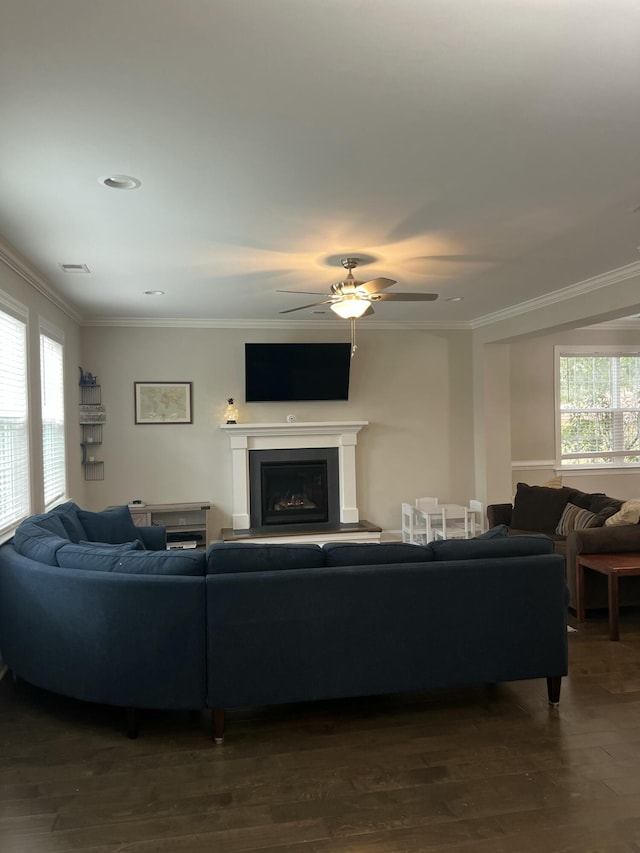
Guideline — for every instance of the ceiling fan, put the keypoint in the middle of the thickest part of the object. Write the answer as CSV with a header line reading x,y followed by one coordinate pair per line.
x,y
351,298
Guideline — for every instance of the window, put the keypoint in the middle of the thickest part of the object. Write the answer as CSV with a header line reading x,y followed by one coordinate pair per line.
x,y
599,409
15,500
52,399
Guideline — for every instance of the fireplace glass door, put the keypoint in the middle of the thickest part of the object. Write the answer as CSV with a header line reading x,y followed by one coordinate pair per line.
x,y
294,492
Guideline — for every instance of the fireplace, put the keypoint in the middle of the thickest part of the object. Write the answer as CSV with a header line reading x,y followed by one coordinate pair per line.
x,y
294,487
331,441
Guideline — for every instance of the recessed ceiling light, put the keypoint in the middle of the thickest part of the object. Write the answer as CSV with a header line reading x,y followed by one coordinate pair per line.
x,y
454,299
120,182
82,268
154,292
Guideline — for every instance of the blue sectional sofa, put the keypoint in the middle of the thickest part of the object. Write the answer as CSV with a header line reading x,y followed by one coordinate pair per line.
x,y
97,609
357,620
89,619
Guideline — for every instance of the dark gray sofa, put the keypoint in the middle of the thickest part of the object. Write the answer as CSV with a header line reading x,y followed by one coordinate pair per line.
x,y
249,624
539,509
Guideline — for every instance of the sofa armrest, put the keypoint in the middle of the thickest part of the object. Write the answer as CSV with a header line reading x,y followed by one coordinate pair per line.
x,y
154,537
603,540
499,514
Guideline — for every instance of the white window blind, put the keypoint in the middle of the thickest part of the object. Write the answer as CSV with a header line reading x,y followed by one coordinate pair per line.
x,y
15,498
52,399
600,409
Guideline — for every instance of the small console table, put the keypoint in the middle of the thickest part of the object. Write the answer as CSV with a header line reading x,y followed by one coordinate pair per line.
x,y
613,566
186,523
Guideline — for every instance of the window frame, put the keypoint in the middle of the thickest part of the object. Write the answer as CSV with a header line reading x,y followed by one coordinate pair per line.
x,y
581,466
19,312
47,330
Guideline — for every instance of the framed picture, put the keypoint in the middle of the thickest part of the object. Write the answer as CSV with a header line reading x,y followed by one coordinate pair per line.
x,y
163,402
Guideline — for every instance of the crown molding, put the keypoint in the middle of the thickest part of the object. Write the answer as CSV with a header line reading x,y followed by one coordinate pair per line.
x,y
628,324
579,289
209,323
13,261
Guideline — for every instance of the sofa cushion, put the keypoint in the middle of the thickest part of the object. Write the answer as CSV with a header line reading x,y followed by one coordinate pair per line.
x,y
538,508
135,545
575,518
40,542
226,557
93,556
372,554
629,513
112,526
509,546
68,515
126,558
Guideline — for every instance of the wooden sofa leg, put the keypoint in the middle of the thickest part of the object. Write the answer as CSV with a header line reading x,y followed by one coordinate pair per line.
x,y
218,725
133,723
553,690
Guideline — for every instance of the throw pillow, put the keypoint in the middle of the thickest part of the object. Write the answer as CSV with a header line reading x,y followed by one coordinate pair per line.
x,y
629,513
575,518
68,515
496,532
554,483
113,525
538,509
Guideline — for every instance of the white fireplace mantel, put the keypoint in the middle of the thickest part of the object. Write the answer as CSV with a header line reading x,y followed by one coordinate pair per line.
x,y
279,436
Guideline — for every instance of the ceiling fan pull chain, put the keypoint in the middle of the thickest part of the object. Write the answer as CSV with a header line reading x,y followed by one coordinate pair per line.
x,y
354,346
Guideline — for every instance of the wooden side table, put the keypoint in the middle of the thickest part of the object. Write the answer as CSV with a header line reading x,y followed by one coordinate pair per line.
x,y
613,566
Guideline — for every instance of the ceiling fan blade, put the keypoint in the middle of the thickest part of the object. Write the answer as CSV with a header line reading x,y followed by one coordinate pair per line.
x,y
368,312
302,307
376,284
406,297
306,292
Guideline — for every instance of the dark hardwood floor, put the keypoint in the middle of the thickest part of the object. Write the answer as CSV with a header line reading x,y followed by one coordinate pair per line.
x,y
479,769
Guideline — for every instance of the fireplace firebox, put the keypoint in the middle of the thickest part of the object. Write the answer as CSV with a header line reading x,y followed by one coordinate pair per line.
x,y
294,487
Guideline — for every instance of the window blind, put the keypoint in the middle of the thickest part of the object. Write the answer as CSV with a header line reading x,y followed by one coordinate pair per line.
x,y
15,496
600,409
52,400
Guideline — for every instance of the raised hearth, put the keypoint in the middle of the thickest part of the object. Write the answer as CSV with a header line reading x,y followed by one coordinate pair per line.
x,y
363,531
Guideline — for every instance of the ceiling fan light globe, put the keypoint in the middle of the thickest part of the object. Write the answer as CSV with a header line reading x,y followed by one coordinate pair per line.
x,y
350,307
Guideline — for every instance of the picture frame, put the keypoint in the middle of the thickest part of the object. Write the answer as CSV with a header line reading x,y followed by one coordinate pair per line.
x,y
163,402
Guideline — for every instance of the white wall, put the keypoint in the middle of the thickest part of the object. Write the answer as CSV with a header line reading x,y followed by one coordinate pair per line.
x,y
41,308
414,387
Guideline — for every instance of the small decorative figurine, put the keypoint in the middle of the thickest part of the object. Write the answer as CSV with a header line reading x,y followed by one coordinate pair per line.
x,y
231,412
87,378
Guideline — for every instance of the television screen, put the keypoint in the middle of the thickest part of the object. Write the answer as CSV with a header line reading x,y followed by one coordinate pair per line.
x,y
296,372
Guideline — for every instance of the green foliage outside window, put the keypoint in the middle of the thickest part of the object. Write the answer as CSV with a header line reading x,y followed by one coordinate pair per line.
x,y
600,409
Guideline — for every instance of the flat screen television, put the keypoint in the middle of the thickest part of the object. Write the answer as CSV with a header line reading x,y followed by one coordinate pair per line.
x,y
288,372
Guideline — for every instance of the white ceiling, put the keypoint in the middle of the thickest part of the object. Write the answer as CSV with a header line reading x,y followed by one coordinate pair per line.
x,y
487,150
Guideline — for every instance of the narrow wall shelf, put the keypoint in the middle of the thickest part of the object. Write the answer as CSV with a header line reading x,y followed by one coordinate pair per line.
x,y
92,416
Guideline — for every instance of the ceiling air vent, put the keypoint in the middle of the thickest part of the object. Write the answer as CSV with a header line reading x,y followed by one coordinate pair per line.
x,y
83,268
